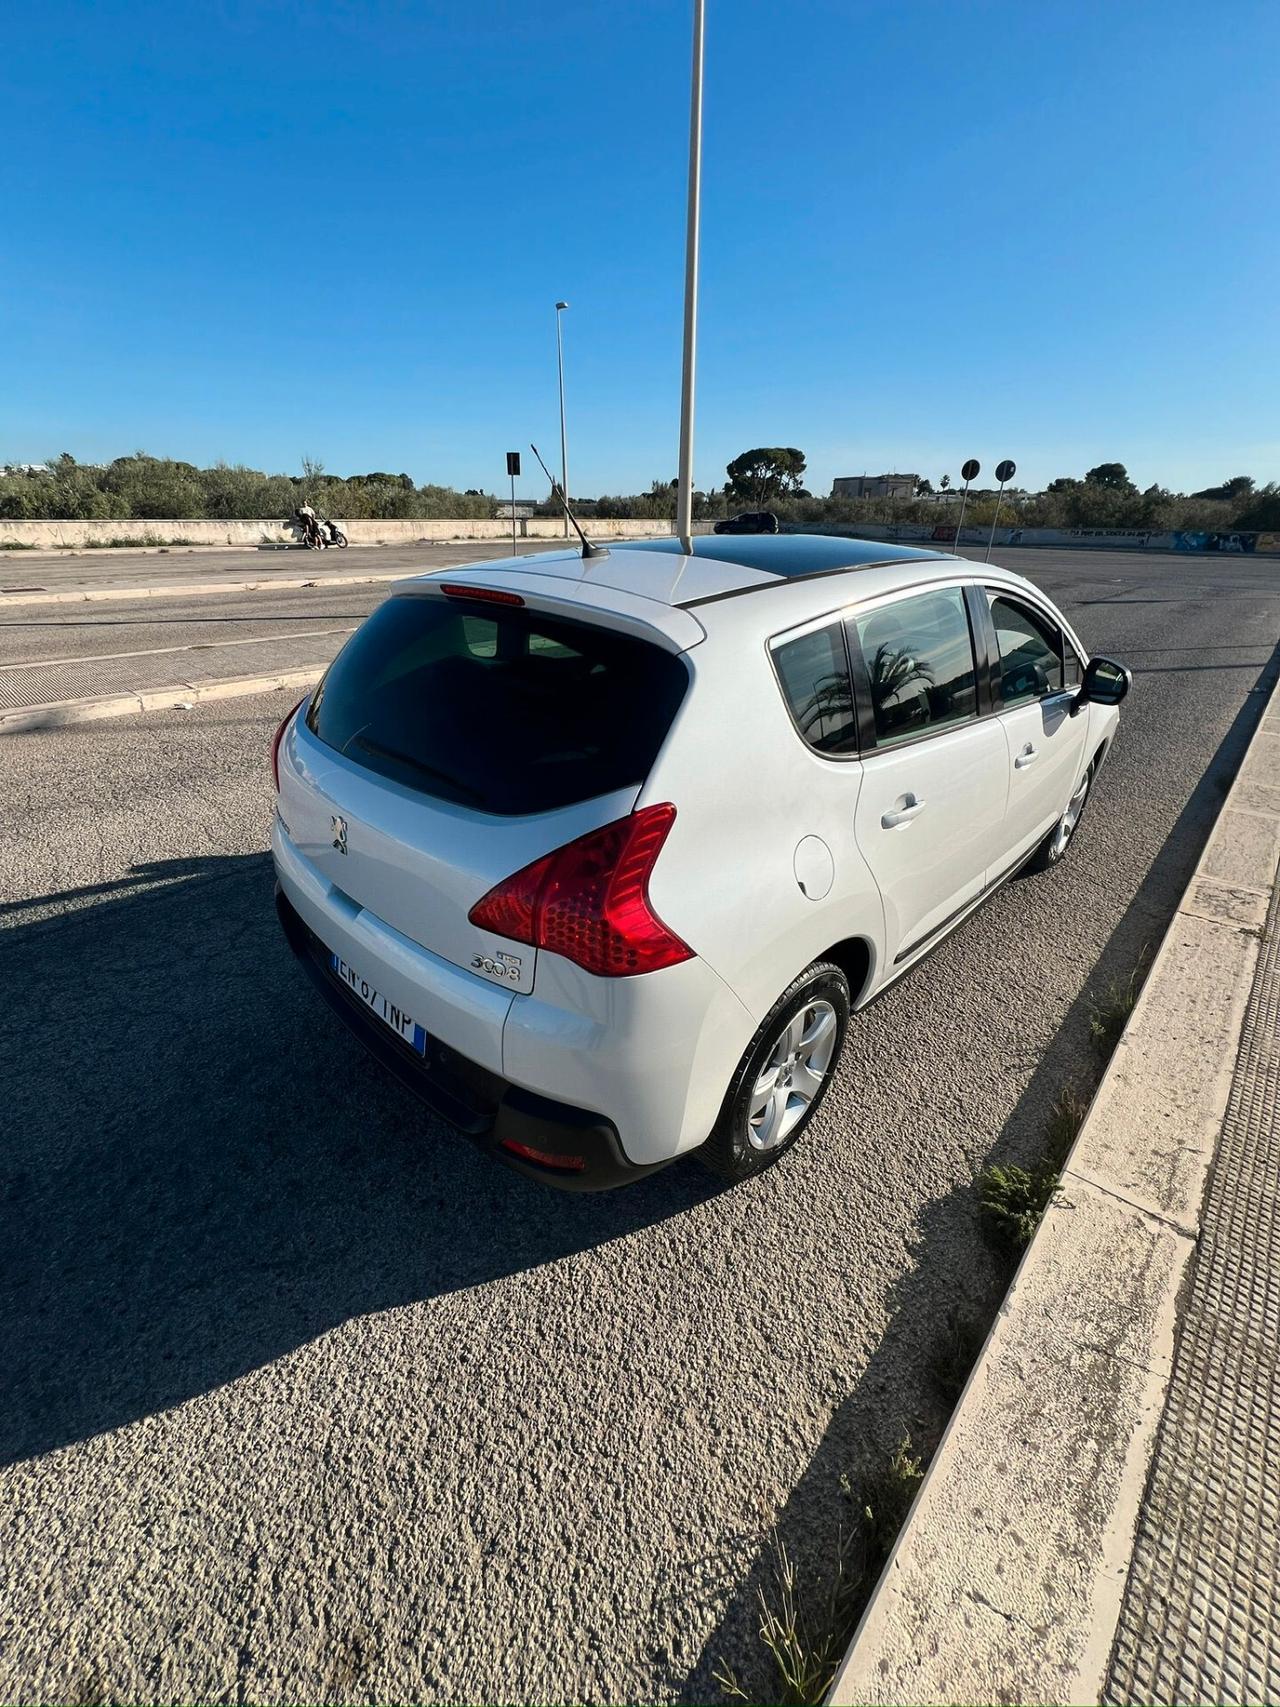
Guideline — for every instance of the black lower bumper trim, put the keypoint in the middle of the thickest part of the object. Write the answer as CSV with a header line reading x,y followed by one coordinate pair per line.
x,y
487,1108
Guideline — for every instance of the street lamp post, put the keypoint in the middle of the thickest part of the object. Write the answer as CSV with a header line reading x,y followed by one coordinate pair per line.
x,y
684,489
564,442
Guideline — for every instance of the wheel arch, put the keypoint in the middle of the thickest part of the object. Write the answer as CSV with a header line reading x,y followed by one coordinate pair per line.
x,y
855,956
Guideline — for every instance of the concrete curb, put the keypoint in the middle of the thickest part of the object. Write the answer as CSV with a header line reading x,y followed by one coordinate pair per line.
x,y
181,589
1006,1581
63,712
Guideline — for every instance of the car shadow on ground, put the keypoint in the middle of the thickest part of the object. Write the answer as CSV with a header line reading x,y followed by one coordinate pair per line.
x,y
898,1393
203,1171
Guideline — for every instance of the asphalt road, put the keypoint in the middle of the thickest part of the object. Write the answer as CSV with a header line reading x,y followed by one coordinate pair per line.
x,y
305,1401
23,573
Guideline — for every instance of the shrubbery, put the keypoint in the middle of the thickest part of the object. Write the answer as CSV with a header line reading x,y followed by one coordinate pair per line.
x,y
151,488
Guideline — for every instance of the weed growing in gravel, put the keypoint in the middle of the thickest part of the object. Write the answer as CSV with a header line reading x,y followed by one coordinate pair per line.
x,y
1066,1117
1011,1201
956,1352
1109,1012
132,542
806,1635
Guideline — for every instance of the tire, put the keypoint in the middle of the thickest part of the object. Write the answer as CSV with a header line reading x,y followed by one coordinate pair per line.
x,y
342,541
1053,849
755,1128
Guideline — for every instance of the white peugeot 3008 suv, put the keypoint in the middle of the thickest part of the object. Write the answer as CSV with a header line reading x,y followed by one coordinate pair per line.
x,y
598,855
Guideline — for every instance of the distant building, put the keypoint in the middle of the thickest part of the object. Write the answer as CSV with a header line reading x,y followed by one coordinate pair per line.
x,y
874,486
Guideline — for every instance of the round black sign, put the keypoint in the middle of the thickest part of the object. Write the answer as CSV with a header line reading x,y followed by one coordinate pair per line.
x,y
971,470
1006,470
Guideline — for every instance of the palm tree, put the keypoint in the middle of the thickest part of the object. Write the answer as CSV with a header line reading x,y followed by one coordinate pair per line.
x,y
832,699
892,671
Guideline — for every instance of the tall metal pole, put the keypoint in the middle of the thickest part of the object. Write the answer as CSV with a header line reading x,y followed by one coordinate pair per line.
x,y
994,520
513,515
564,443
684,490
964,502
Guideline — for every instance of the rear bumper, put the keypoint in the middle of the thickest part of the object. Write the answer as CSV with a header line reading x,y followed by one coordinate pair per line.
x,y
491,1111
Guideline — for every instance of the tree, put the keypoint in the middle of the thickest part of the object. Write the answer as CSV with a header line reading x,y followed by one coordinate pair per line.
x,y
944,485
1113,475
1237,490
759,476
1065,483
1264,511
924,487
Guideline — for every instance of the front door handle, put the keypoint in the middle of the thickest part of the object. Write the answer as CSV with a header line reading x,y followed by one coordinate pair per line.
x,y
1027,756
905,809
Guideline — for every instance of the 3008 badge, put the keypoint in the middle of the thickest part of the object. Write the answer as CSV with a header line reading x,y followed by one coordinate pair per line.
x,y
504,966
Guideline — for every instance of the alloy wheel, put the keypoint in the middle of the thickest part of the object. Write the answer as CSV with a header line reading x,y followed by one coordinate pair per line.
x,y
1070,818
793,1074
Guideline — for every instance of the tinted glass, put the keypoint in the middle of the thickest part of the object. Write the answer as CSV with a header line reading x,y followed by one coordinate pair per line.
x,y
814,672
920,660
506,710
1030,662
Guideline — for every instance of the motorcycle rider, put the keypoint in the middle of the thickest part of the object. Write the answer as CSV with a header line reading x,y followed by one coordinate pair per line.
x,y
311,524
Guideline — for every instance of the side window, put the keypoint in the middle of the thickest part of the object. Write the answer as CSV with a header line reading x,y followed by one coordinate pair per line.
x,y
919,658
1071,671
1030,652
813,671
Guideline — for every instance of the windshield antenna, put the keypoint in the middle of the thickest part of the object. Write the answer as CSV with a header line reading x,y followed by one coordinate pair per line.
x,y
588,550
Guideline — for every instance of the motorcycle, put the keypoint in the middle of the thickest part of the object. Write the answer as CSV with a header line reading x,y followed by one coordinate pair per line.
x,y
320,533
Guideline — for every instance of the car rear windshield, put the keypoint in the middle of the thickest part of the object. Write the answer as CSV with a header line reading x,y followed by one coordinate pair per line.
x,y
504,709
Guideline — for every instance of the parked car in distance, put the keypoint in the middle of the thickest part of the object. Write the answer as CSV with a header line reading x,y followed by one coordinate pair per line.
x,y
600,857
750,521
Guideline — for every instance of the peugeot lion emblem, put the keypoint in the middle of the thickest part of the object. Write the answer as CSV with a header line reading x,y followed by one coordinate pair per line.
x,y
339,833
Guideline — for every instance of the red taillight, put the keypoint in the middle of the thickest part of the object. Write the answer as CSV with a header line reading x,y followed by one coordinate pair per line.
x,y
589,900
489,595
275,746
544,1158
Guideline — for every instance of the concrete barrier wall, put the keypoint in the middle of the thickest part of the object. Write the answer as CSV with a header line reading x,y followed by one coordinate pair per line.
x,y
73,535
1096,539
177,532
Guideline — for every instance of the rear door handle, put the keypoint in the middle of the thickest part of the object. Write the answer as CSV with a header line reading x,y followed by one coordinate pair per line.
x,y
909,809
1027,756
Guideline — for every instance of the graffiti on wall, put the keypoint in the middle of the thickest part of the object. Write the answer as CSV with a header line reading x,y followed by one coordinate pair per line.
x,y
1197,541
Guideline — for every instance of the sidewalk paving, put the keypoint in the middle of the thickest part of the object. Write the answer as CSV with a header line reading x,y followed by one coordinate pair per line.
x,y
1101,1522
1200,1620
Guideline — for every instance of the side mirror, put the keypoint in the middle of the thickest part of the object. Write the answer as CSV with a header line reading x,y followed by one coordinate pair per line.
x,y
1105,682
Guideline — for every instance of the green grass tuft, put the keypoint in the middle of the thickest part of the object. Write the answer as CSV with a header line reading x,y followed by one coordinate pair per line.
x,y
1066,1117
806,1634
1109,1012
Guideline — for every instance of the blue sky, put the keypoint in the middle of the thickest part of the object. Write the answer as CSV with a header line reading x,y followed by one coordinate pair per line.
x,y
257,230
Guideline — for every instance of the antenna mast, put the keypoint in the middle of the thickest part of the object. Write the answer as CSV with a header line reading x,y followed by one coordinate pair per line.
x,y
557,491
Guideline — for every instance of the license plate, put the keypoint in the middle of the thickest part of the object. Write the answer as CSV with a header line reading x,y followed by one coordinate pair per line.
x,y
403,1024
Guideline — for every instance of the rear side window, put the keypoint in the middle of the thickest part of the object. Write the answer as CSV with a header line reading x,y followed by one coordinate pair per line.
x,y
1030,656
919,659
813,671
504,709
